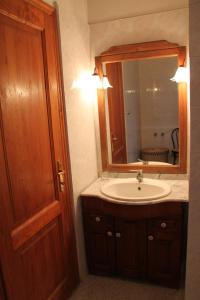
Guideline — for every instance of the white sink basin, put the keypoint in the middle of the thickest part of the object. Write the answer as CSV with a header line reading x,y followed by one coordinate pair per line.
x,y
130,189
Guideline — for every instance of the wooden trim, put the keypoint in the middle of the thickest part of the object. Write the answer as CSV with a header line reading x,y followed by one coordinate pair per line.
x,y
140,47
24,232
139,51
47,8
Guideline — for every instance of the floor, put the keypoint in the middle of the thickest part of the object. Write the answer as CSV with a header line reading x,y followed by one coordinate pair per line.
x,y
103,288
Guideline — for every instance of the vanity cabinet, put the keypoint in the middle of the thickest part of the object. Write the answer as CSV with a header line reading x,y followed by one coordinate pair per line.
x,y
135,241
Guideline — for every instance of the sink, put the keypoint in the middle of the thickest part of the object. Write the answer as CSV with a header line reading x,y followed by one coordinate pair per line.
x,y
130,189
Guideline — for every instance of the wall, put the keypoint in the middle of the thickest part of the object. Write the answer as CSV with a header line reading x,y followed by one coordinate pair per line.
x,y
193,257
104,10
131,109
79,104
171,26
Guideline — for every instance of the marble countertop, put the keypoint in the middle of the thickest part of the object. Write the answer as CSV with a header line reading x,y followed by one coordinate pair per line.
x,y
179,192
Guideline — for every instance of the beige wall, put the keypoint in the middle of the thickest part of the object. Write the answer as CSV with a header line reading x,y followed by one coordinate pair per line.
x,y
171,26
104,10
193,257
79,104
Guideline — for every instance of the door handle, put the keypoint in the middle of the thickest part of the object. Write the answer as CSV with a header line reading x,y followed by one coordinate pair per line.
x,y
61,177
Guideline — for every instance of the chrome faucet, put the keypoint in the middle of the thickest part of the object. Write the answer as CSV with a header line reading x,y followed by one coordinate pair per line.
x,y
144,162
139,175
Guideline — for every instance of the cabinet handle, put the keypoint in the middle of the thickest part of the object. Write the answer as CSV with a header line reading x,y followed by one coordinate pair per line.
x,y
97,219
150,237
118,234
163,225
109,233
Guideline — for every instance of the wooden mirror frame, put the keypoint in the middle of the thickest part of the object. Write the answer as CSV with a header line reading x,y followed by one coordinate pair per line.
x,y
139,51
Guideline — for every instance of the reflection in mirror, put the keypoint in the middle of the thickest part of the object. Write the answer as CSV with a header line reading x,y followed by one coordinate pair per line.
x,y
142,117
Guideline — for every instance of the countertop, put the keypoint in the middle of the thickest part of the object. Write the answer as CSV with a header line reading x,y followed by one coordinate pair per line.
x,y
179,192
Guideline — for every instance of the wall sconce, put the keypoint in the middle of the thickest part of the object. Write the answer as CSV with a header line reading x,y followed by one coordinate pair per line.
x,y
96,79
181,75
100,83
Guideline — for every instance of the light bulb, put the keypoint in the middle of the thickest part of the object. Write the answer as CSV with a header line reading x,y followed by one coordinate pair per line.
x,y
105,82
181,75
96,80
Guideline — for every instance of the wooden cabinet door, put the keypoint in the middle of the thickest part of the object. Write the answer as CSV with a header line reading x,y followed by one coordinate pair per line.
x,y
2,289
164,251
100,243
37,247
131,248
116,113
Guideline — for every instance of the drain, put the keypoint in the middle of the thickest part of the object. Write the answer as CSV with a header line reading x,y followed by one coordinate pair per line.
x,y
139,188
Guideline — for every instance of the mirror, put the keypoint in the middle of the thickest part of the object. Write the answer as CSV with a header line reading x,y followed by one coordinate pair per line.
x,y
143,116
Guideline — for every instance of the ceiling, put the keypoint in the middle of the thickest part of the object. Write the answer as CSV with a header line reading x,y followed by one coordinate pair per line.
x,y
106,10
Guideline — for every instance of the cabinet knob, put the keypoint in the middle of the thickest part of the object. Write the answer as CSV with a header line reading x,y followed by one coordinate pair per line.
x,y
118,234
150,238
97,219
109,233
163,225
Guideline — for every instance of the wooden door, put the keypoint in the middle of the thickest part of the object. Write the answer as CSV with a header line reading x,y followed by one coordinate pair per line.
x,y
164,251
131,248
37,245
100,243
116,113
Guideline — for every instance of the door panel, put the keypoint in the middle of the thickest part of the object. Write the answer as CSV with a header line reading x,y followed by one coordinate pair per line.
x,y
25,120
131,248
37,243
164,261
100,243
42,260
116,113
100,251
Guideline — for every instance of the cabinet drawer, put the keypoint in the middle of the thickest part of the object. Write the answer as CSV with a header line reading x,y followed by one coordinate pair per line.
x,y
96,222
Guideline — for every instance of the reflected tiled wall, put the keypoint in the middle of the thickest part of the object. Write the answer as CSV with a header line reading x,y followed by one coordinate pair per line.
x,y
158,101
193,257
132,113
